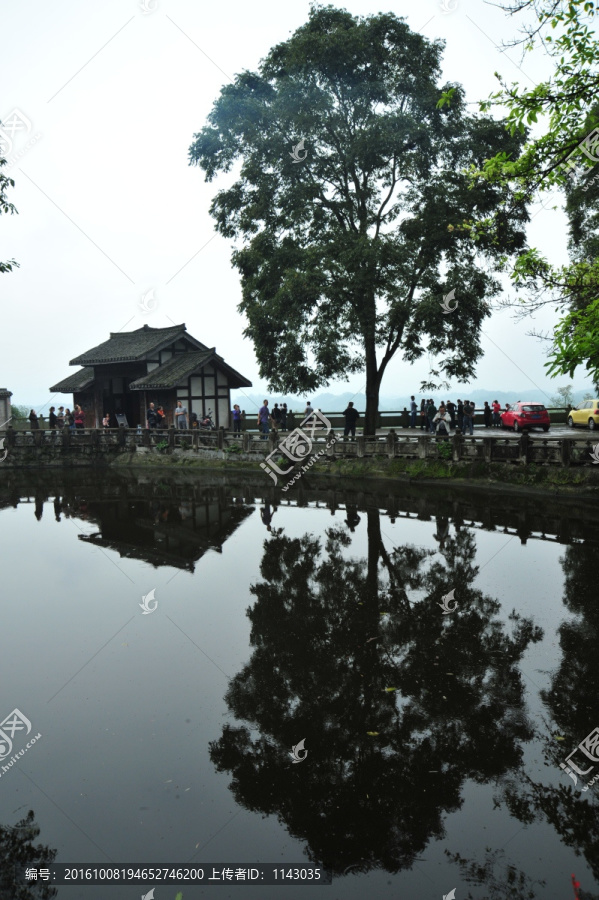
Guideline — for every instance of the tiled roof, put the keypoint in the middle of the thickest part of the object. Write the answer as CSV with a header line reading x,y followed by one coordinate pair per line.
x,y
173,371
128,346
180,366
78,381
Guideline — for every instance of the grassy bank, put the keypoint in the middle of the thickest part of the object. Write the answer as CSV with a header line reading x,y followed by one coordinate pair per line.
x,y
583,479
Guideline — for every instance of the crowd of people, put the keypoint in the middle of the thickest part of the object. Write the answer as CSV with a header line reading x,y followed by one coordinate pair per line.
x,y
451,415
156,417
64,418
436,420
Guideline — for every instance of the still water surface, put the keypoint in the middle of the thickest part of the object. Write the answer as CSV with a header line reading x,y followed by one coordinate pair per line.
x,y
434,740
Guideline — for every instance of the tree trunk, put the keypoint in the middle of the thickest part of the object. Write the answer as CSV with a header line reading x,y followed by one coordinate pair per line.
x,y
372,389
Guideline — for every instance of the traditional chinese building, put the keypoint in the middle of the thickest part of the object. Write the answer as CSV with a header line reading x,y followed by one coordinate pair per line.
x,y
132,369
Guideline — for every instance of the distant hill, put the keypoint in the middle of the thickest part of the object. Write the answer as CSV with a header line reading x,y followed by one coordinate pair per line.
x,y
328,402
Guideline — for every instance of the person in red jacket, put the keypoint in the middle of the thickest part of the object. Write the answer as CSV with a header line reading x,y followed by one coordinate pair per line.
x,y
496,414
79,417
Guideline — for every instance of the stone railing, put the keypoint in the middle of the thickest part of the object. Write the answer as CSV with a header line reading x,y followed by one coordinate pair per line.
x,y
68,447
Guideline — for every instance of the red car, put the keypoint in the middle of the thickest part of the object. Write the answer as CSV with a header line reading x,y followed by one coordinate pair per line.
x,y
525,414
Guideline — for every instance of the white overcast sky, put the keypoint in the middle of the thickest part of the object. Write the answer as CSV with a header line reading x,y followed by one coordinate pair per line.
x,y
109,208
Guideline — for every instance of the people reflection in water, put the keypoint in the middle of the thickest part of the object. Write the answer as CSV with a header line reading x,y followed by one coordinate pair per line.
x,y
353,518
39,507
442,532
266,515
57,508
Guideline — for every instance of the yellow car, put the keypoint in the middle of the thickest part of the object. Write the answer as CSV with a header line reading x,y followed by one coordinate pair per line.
x,y
586,413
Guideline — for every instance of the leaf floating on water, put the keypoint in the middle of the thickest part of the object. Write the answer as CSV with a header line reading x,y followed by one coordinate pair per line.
x,y
179,896
390,689
372,733
558,737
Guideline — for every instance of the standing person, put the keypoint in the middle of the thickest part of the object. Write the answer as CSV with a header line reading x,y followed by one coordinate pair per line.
x,y
79,417
33,420
351,417
181,416
442,420
308,412
106,421
236,419
468,417
69,419
263,419
496,414
451,411
413,411
431,411
160,419
284,417
60,418
487,414
151,419
423,415
52,419
276,417
461,416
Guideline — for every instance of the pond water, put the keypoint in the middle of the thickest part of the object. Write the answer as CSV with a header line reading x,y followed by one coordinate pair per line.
x,y
315,618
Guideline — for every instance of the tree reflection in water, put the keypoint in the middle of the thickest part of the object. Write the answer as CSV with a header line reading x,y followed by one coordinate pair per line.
x,y
17,849
571,702
398,703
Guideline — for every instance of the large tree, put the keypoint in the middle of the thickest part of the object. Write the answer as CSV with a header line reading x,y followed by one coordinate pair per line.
x,y
350,239
561,156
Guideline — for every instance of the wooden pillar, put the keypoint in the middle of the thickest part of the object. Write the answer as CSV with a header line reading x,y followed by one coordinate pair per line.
x,y
171,435
488,449
422,446
361,442
220,437
98,413
565,451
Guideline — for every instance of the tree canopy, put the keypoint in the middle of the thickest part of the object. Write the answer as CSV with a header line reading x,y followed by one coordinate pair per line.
x,y
354,207
6,207
562,156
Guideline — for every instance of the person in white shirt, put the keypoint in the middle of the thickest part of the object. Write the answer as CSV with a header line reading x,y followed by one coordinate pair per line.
x,y
442,421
